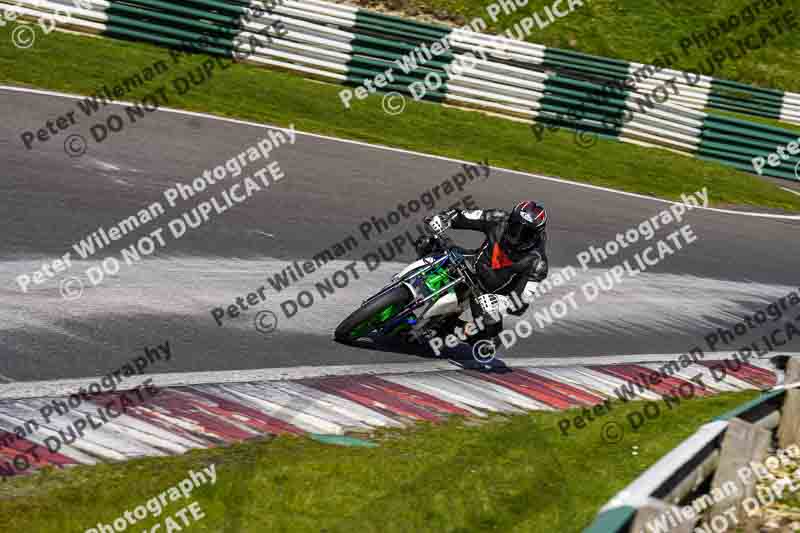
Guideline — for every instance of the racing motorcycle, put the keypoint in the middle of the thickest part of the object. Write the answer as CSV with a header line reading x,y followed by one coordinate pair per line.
x,y
420,299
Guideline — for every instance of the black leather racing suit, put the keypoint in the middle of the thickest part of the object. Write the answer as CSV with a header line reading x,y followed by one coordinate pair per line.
x,y
501,269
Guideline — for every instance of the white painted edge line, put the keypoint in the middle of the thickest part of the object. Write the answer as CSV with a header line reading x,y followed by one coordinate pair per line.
x,y
410,152
64,387
791,191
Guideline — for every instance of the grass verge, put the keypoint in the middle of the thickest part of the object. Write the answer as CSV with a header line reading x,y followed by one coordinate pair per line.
x,y
77,64
505,473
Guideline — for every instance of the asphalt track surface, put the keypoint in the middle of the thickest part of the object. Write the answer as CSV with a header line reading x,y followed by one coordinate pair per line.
x,y
48,201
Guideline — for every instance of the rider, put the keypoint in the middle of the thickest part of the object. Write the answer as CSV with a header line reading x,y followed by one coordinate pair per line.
x,y
509,264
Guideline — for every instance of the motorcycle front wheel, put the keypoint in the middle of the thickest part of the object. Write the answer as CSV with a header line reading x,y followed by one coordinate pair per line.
x,y
373,315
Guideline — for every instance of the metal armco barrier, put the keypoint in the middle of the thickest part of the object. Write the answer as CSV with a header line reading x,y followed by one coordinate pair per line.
x,y
551,86
687,466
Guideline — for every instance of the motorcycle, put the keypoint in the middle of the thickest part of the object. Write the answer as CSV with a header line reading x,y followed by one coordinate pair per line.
x,y
421,297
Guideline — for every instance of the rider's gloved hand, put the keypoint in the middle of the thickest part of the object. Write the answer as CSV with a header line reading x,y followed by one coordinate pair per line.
x,y
437,223
494,306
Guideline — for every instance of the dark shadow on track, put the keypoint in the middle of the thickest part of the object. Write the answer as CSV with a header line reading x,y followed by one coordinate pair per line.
x,y
460,356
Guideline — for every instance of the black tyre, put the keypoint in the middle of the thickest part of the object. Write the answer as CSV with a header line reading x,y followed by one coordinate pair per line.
x,y
373,314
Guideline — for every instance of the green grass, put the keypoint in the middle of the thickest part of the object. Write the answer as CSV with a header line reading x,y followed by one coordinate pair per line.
x,y
243,91
507,473
645,30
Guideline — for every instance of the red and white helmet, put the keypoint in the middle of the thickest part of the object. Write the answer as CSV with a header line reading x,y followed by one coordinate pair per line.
x,y
525,225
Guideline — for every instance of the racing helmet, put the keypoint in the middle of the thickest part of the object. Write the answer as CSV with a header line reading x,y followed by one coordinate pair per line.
x,y
525,226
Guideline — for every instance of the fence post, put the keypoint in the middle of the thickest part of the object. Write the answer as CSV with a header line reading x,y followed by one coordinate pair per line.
x,y
789,426
742,444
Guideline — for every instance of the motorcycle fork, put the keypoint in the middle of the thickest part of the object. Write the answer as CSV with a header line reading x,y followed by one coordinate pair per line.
x,y
404,314
404,280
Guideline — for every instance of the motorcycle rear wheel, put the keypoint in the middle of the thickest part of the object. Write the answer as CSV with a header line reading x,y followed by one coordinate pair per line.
x,y
371,316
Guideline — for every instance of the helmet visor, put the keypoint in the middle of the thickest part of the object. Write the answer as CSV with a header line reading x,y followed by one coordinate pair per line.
x,y
514,232
521,234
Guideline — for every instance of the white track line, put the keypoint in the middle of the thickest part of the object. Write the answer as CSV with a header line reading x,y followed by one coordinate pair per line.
x,y
64,387
791,191
402,151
